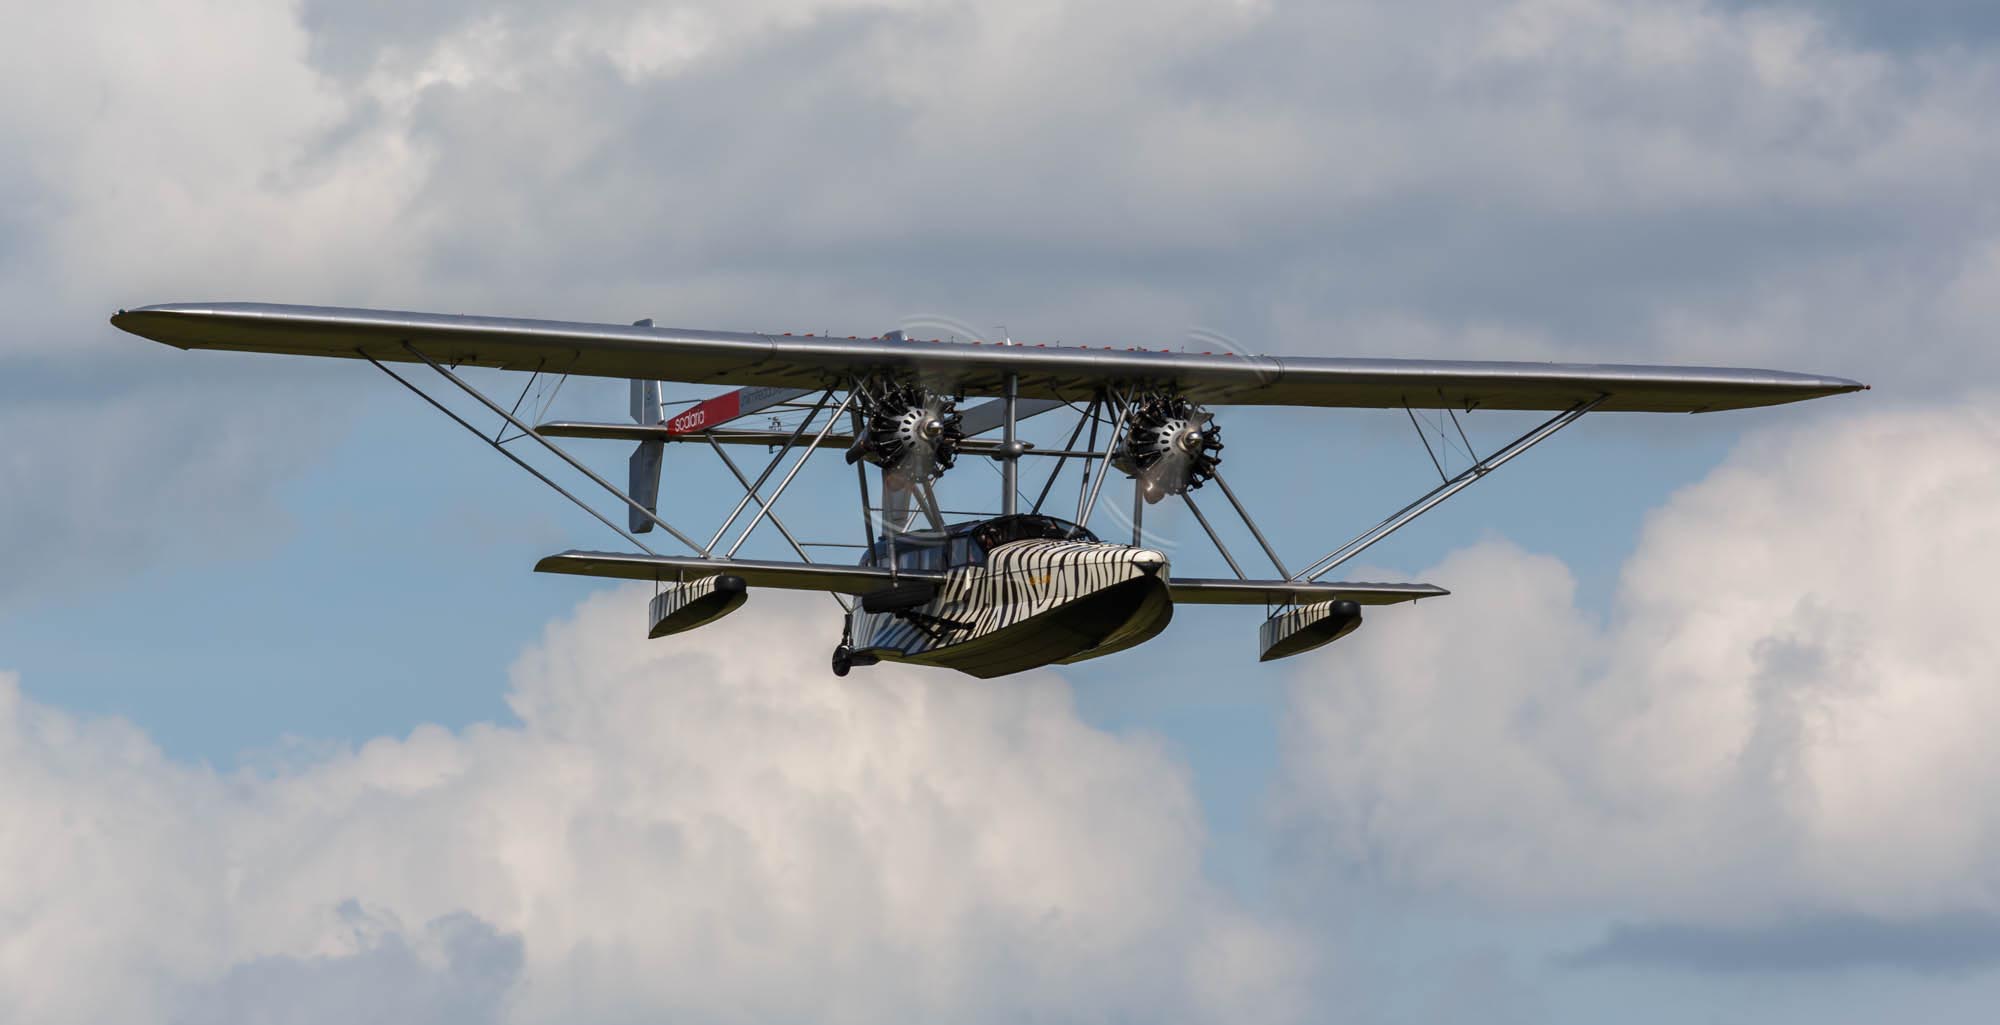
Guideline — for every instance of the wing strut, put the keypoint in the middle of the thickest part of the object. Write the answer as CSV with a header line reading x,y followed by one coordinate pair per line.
x,y
764,507
557,449
1213,536
1269,551
775,521
1010,453
769,467
1437,495
745,481
1104,466
1090,416
861,477
502,449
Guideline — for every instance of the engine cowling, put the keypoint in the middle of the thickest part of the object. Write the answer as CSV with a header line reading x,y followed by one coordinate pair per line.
x,y
913,434
1171,446
910,432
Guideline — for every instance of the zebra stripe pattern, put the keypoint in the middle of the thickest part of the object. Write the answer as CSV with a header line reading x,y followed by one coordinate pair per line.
x,y
1020,580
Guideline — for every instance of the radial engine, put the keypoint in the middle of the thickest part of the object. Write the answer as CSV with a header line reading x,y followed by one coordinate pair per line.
x,y
913,434
1171,446
910,432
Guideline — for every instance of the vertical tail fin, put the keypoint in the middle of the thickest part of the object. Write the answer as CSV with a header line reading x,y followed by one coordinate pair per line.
x,y
646,402
644,466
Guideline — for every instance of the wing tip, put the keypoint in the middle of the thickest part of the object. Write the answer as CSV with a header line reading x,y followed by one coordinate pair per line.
x,y
148,322
175,324
567,561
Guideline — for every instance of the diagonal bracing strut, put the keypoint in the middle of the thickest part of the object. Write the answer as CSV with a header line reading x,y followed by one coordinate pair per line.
x,y
557,449
502,449
745,481
1214,537
764,507
1437,495
1104,465
769,468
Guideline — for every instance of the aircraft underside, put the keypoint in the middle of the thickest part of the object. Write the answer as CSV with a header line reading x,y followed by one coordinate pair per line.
x,y
1090,625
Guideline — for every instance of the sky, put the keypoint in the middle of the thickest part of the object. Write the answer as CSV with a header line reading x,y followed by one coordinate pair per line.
x,y
290,732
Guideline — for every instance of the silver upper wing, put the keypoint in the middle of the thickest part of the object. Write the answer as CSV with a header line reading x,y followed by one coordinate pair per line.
x,y
1046,372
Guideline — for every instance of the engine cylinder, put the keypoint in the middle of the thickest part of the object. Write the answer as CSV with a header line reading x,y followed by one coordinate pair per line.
x,y
1170,445
909,431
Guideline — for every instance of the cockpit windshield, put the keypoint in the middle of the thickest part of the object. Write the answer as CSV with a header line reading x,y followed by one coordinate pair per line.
x,y
996,532
966,544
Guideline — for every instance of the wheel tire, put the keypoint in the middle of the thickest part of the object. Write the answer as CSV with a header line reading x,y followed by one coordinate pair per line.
x,y
843,660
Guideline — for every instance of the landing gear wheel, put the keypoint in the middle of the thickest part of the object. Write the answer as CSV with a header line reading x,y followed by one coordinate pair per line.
x,y
843,660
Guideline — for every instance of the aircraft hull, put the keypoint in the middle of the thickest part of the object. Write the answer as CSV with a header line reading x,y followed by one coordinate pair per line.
x,y
1033,604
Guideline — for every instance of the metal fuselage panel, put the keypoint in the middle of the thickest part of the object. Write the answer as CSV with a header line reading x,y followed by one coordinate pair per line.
x,y
1032,603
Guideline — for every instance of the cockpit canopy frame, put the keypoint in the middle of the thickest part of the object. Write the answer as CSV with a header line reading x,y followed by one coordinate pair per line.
x,y
966,544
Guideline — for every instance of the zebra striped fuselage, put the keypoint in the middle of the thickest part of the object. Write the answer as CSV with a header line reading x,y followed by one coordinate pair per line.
x,y
1032,603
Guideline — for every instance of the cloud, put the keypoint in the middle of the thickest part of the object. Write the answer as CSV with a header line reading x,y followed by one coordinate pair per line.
x,y
1598,179
108,484
1936,944
162,150
1929,24
455,971
1676,181
714,829
1586,178
1784,711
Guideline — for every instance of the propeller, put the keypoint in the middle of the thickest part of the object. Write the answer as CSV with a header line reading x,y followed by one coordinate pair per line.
x,y
913,435
1171,446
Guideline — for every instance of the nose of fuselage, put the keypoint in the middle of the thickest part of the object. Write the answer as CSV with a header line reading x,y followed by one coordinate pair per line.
x,y
1149,561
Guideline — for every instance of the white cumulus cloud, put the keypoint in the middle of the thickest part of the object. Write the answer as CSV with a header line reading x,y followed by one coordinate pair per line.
x,y
714,829
1789,707
1591,179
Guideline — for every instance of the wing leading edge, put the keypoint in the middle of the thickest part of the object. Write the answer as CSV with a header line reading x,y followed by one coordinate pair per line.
x,y
1046,372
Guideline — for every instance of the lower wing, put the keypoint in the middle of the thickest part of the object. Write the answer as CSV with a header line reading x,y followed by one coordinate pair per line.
x,y
794,576
1196,591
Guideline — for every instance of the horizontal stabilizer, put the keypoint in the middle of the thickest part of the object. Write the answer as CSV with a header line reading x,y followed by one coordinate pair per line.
x,y
726,436
712,413
606,432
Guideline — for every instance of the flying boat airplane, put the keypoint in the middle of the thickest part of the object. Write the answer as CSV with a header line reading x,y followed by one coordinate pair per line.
x,y
996,593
